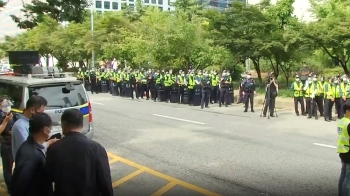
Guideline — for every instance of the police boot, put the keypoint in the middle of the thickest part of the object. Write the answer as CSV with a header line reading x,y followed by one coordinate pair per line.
x,y
246,110
252,110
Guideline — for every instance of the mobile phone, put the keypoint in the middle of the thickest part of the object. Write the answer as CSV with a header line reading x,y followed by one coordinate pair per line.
x,y
57,136
8,114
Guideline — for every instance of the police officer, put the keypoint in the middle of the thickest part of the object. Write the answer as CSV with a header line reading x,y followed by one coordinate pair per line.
x,y
224,89
311,89
248,87
167,86
271,94
297,87
150,84
343,150
181,80
93,81
191,83
215,79
206,85
329,91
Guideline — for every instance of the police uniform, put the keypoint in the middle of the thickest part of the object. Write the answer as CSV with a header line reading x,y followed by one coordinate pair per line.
x,y
224,90
298,95
311,88
248,86
93,81
206,86
343,145
329,92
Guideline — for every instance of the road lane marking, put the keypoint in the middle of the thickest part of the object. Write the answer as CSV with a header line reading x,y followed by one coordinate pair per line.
x,y
165,188
179,119
163,176
127,178
324,145
96,103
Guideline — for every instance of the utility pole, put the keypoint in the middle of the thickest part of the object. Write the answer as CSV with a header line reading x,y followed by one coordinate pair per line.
x,y
92,31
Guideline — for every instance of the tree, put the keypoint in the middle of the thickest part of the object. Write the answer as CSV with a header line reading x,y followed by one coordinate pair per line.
x,y
331,31
58,10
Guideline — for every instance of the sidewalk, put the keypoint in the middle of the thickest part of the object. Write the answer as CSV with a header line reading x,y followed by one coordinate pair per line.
x,y
281,103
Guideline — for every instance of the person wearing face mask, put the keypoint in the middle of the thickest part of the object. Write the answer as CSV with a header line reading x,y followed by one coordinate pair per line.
x,y
215,79
190,85
119,82
181,82
20,129
93,81
158,78
319,96
206,86
168,82
309,89
28,175
338,96
248,86
7,121
343,86
297,87
270,97
224,85
329,91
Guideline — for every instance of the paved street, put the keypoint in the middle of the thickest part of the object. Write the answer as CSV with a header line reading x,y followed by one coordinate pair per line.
x,y
171,149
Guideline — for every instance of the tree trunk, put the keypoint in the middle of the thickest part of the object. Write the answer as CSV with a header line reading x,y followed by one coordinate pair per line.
x,y
257,69
287,80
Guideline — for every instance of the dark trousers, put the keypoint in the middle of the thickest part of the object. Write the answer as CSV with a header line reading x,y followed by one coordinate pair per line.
x,y
248,97
148,89
311,106
328,105
223,95
342,102
156,92
153,90
167,93
138,90
205,97
190,96
301,101
240,96
7,161
119,88
319,102
181,92
214,94
270,104
337,103
93,87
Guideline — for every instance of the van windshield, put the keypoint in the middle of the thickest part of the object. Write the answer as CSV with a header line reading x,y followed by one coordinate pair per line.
x,y
58,96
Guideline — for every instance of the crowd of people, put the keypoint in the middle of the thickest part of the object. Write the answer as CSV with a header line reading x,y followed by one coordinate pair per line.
x,y
44,166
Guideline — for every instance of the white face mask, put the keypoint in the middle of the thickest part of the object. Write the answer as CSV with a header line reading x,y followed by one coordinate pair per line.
x,y
6,106
205,74
248,76
314,79
309,79
297,79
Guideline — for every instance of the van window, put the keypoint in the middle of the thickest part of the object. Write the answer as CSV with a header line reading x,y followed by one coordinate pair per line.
x,y
58,97
12,92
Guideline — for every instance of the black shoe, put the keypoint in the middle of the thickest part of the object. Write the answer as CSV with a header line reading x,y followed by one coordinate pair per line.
x,y
272,115
316,117
220,105
245,110
304,114
146,99
298,114
202,107
309,117
206,106
155,100
252,110
264,115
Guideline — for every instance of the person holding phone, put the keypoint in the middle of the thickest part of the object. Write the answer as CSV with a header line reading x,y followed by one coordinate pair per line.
x,y
6,119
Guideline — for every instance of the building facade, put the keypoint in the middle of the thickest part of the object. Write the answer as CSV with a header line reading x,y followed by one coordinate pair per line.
x,y
117,5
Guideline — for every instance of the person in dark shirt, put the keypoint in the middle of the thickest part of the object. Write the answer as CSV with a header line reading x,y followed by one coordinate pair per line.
x,y
271,94
77,165
28,177
5,151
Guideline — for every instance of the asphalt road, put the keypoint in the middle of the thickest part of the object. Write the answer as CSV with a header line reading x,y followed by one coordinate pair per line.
x,y
171,149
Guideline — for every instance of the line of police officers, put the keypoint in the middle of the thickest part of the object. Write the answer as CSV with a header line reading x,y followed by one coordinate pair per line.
x,y
321,95
188,88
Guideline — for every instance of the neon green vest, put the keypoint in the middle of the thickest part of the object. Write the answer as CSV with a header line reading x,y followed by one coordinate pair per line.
x,y
343,136
298,89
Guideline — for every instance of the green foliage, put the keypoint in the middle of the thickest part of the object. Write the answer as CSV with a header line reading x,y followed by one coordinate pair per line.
x,y
191,36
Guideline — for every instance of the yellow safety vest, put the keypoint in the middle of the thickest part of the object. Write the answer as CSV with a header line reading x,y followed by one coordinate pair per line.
x,y
347,88
215,80
310,90
343,136
330,93
337,90
319,88
298,90
191,82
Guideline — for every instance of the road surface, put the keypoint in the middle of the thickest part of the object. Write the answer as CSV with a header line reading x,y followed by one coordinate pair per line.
x,y
171,149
